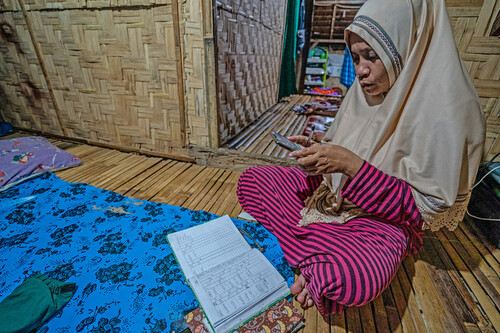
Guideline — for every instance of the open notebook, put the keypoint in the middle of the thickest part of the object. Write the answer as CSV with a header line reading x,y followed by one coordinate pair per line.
x,y
232,282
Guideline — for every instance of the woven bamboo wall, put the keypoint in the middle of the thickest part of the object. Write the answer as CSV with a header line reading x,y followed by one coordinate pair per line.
x,y
472,22
249,42
126,73
137,74
24,95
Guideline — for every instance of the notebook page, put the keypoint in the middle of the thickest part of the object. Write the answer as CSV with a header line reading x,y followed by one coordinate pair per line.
x,y
204,246
236,291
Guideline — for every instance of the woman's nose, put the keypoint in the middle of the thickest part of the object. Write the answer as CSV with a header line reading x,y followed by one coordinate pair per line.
x,y
362,70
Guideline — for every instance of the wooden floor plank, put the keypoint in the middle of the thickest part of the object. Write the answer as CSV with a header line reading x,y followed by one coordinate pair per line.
x,y
392,311
380,316
475,264
456,308
214,193
193,201
119,174
173,190
338,323
477,291
492,248
401,302
482,265
257,139
481,248
178,189
89,166
460,284
228,199
156,182
413,309
367,319
132,172
353,320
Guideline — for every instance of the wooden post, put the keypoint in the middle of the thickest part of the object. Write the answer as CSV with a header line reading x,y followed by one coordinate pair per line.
x,y
180,71
332,26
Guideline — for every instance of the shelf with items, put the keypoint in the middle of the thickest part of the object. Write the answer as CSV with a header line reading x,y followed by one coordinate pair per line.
x,y
316,68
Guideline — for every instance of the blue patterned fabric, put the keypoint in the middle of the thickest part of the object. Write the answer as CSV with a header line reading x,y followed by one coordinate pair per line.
x,y
347,74
112,246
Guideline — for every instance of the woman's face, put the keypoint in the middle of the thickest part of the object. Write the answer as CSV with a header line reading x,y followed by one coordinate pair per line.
x,y
370,70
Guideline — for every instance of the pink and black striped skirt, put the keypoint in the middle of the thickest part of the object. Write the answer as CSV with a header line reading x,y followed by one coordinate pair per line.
x,y
343,264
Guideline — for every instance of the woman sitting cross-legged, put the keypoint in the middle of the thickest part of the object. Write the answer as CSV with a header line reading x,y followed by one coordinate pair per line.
x,y
400,157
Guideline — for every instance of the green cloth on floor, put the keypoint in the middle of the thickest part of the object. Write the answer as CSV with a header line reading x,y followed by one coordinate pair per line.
x,y
33,302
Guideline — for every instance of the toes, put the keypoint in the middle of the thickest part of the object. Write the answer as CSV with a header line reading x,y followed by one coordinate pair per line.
x,y
299,285
296,288
303,297
299,289
309,302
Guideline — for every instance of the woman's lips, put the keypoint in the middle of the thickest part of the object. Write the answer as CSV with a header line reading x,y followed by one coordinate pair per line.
x,y
366,85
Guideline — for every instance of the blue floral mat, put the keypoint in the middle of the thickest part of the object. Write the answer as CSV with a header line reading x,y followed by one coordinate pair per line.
x,y
112,246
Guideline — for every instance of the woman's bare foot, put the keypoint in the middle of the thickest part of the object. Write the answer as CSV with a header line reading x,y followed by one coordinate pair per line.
x,y
299,288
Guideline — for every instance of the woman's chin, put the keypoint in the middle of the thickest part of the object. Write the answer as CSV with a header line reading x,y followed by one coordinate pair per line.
x,y
371,90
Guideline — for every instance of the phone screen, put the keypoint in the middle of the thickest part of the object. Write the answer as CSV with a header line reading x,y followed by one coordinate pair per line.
x,y
285,143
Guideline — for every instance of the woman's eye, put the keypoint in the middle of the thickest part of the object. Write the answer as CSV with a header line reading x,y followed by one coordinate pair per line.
x,y
372,57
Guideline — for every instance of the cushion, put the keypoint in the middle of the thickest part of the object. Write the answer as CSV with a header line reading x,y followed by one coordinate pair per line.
x,y
27,157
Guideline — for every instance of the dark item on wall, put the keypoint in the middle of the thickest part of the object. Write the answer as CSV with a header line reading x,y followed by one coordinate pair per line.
x,y
484,205
495,30
5,128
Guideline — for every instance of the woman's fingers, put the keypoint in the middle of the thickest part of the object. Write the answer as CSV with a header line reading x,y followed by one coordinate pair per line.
x,y
305,151
300,139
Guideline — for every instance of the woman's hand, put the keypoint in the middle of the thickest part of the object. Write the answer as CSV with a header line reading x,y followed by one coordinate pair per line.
x,y
320,159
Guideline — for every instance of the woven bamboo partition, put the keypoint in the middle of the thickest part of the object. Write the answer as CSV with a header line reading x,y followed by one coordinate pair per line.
x,y
138,74
249,42
113,74
472,22
23,90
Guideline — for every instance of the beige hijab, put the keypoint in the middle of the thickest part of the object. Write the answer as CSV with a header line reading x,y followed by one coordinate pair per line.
x,y
428,131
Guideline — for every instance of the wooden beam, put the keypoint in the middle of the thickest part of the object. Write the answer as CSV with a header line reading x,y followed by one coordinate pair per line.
x,y
330,41
233,159
332,26
176,16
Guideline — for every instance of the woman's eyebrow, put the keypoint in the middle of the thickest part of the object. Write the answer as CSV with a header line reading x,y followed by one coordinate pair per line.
x,y
366,49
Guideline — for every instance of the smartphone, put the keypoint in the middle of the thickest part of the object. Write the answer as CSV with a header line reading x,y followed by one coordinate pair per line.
x,y
285,143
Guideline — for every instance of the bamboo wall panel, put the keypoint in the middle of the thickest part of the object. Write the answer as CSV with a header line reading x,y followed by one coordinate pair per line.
x,y
194,18
249,46
472,22
6,5
272,15
113,73
24,95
